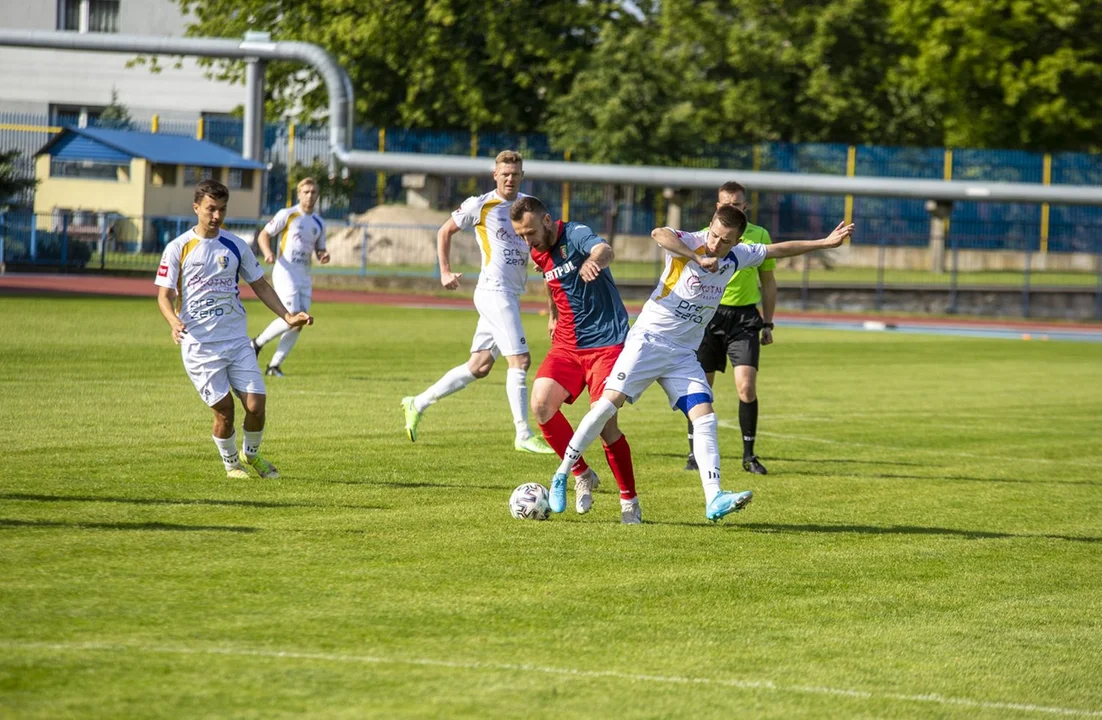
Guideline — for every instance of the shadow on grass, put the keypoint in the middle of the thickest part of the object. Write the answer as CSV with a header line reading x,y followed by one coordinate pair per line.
x,y
169,501
415,485
767,528
960,478
904,530
734,460
153,526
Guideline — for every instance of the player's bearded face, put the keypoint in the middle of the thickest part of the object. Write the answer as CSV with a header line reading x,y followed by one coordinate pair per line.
x,y
539,234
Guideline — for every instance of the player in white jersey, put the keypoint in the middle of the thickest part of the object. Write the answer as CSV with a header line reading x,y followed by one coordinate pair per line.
x,y
501,281
662,343
301,234
200,271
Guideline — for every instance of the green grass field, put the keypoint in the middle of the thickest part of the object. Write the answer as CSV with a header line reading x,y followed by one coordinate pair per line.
x,y
927,544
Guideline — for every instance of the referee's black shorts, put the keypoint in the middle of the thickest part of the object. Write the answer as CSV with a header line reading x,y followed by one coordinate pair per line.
x,y
734,332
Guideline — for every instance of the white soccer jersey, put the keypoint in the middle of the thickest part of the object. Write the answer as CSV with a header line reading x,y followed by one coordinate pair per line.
x,y
685,300
504,254
296,235
204,272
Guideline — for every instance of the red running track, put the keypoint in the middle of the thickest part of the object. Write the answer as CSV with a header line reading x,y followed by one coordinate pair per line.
x,y
61,285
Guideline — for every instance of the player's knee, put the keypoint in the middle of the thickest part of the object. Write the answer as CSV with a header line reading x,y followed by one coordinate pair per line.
x,y
223,411
747,390
543,408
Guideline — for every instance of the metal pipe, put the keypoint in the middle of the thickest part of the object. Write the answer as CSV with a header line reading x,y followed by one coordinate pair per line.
x,y
339,87
252,144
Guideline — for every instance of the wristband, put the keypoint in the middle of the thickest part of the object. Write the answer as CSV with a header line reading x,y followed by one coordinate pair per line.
x,y
768,326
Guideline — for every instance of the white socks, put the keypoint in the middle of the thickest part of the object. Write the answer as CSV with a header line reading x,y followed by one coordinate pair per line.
x,y
276,328
706,452
227,448
453,381
516,389
589,429
251,446
285,344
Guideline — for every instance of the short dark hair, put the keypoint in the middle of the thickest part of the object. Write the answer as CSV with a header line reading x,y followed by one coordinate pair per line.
x,y
731,188
527,204
212,189
731,217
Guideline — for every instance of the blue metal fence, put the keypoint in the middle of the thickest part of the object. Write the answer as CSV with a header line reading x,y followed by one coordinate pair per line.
x,y
637,210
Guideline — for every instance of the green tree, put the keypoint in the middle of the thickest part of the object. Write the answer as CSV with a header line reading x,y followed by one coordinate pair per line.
x,y
1008,73
741,71
420,63
12,179
638,100
116,115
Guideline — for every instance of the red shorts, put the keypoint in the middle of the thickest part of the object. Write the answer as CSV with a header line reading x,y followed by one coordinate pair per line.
x,y
577,369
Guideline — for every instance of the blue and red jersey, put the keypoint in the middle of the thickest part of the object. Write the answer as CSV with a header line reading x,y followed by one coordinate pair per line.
x,y
591,315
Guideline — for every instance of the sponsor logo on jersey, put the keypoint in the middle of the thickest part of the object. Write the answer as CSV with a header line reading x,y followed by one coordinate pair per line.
x,y
562,250
162,271
557,272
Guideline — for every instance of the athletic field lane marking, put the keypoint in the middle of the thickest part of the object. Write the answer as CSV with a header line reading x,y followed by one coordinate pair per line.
x,y
571,672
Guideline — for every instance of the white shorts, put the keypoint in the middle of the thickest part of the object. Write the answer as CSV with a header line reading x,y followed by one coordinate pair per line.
x,y
214,368
646,358
499,328
293,292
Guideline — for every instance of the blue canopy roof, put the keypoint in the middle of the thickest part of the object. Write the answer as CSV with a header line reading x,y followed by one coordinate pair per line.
x,y
90,143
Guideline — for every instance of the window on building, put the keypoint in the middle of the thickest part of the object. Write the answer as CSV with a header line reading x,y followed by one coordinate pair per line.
x,y
163,175
194,174
75,115
103,16
90,170
68,15
100,16
240,179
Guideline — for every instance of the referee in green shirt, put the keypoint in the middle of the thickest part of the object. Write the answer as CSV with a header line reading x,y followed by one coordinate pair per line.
x,y
734,332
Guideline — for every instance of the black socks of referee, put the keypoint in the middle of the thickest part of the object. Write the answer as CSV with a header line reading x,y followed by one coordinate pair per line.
x,y
748,423
690,438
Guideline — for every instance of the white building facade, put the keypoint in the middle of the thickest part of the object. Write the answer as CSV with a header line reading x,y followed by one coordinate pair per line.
x,y
70,86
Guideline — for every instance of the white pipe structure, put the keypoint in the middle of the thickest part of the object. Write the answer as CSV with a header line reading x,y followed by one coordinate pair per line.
x,y
339,87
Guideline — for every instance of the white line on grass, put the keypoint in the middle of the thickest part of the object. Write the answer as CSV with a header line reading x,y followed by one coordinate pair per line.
x,y
895,449
571,672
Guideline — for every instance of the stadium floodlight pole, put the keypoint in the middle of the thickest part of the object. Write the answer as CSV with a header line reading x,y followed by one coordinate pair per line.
x,y
339,87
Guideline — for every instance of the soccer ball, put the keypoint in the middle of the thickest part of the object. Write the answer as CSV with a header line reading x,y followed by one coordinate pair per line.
x,y
529,502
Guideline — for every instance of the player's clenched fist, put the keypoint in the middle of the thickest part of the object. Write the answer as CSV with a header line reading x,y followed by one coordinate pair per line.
x,y
298,319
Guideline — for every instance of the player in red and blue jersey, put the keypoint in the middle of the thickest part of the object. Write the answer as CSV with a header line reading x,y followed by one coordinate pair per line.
x,y
588,324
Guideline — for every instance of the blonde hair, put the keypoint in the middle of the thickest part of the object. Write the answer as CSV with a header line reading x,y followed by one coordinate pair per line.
x,y
306,181
508,157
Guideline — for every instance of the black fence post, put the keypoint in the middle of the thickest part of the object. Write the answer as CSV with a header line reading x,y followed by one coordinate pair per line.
x,y
1098,291
953,275
64,241
880,274
107,220
1025,285
805,289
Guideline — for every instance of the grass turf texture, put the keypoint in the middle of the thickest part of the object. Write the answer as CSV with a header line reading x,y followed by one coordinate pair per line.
x,y
929,528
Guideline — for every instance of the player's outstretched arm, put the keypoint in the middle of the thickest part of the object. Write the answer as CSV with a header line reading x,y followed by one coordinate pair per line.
x,y
448,279
166,301
800,247
268,296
